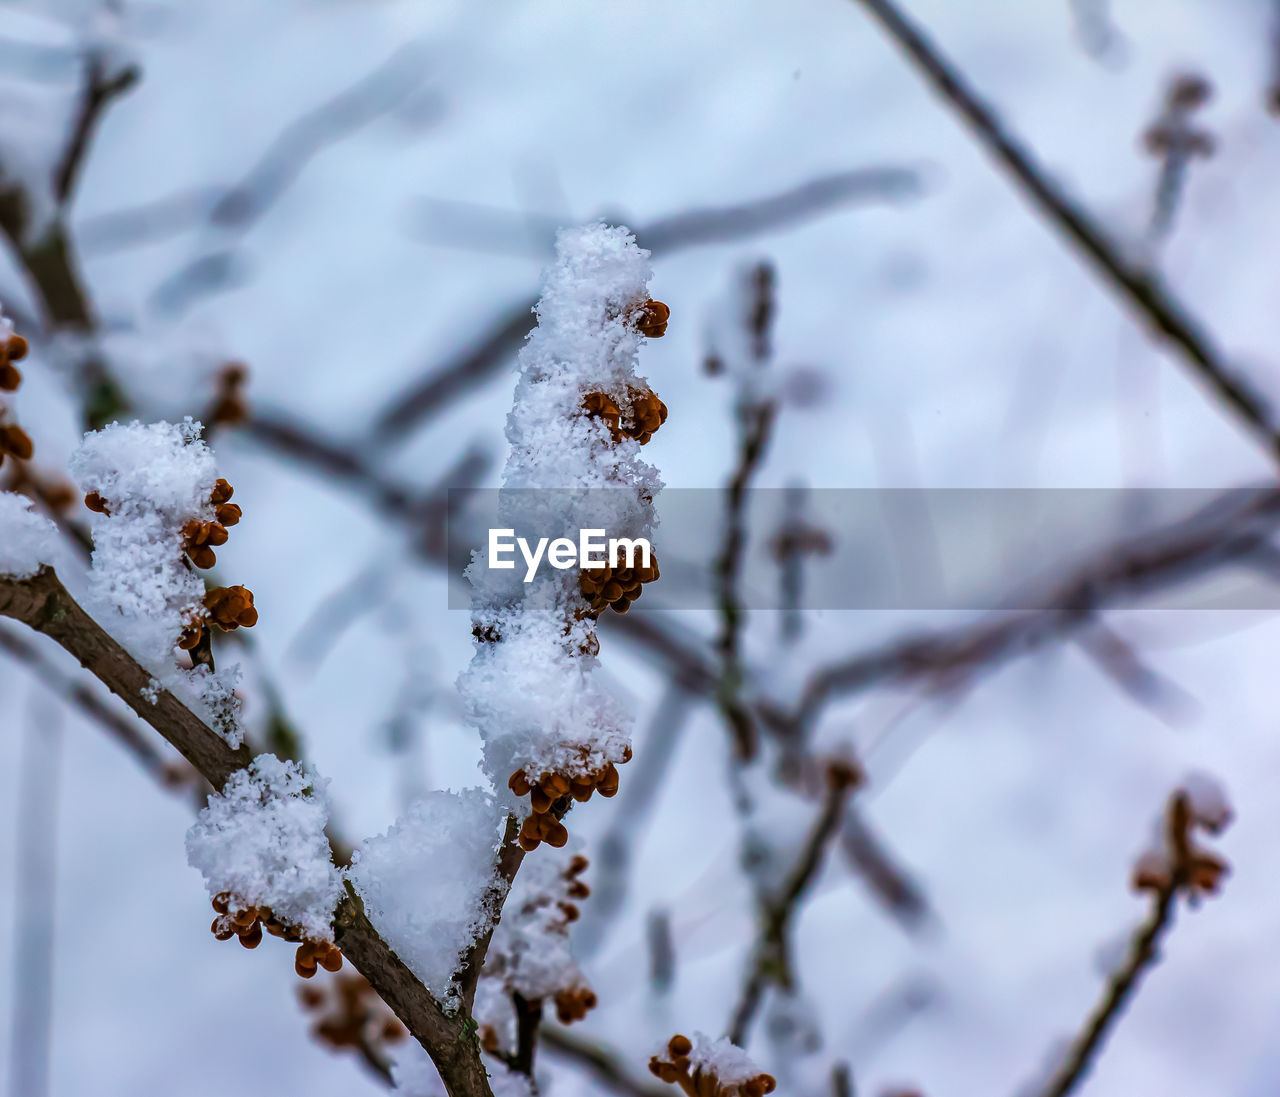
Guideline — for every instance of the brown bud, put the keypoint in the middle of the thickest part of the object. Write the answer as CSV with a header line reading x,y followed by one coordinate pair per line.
x,y
228,514
10,377
252,938
203,557
518,783
679,1046
222,930
557,836
14,439
222,491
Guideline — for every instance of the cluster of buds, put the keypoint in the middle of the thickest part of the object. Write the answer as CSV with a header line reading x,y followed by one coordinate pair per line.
x,y
230,406
615,588
647,413
549,797
201,538
14,441
1180,863
1175,132
651,319
678,1069
349,1014
248,923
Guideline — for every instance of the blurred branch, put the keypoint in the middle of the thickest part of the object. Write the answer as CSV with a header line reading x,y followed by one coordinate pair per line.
x,y
901,895
450,222
237,207
419,402
101,87
43,604
602,1062
62,685
1233,528
771,957
1137,288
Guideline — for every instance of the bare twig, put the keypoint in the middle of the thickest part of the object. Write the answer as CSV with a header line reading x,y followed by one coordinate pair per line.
x,y
1136,287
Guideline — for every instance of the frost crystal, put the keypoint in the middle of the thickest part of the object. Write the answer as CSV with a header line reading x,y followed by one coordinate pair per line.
x,y
428,884
262,840
27,539
529,688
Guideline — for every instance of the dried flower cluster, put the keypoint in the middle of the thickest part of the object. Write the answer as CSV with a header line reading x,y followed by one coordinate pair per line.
x,y
14,441
696,1072
349,1013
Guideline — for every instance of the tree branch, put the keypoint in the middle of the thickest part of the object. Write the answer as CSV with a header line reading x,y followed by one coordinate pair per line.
x,y
44,604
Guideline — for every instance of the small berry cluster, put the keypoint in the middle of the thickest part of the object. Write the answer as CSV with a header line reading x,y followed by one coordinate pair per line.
x,y
678,1069
14,441
647,414
247,923
615,588
549,798
349,1014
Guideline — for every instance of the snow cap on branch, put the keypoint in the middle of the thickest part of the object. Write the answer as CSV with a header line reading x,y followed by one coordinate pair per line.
x,y
27,539
261,840
428,883
529,688
152,479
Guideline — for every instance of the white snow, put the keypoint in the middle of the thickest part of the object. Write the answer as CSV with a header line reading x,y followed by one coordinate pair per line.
x,y
262,839
531,694
728,1062
428,882
154,478
27,539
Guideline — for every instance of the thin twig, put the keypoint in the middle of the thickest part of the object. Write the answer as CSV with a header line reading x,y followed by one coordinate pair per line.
x,y
771,963
1136,287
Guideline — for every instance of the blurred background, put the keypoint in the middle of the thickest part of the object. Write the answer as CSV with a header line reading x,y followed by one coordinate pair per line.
x,y
351,201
